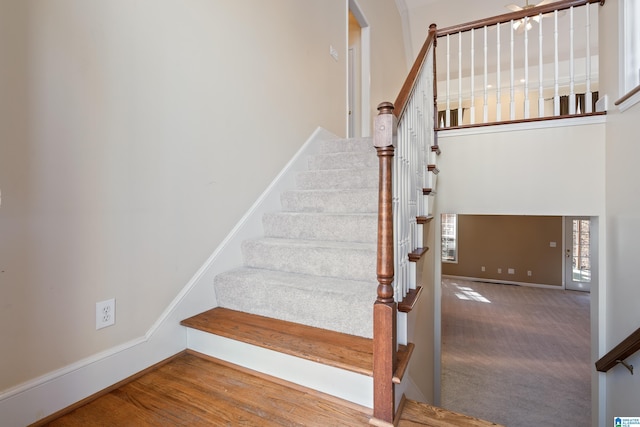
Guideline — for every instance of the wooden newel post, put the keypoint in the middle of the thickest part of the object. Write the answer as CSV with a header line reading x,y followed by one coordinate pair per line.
x,y
384,309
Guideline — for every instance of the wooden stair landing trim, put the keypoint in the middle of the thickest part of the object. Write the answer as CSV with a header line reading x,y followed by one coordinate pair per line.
x,y
424,219
348,352
412,414
407,303
417,254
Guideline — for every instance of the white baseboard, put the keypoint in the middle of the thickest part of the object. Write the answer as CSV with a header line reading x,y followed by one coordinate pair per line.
x,y
33,400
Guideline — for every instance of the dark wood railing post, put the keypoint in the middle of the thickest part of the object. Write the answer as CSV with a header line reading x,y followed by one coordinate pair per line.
x,y
384,309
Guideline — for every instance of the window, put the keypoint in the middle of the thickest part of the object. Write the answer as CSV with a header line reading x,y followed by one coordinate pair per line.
x,y
630,49
449,237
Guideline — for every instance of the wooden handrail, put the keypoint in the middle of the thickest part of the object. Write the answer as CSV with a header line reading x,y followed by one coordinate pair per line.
x,y
627,95
409,83
619,353
533,11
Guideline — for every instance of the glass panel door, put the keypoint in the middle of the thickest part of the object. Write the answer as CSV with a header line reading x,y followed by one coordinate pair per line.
x,y
578,260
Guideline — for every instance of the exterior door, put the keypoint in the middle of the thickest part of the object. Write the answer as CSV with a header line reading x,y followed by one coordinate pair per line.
x,y
579,259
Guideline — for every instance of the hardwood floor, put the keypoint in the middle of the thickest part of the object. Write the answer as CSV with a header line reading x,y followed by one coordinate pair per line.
x,y
194,390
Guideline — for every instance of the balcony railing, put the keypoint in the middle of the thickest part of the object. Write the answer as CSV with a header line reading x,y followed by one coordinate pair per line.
x,y
535,63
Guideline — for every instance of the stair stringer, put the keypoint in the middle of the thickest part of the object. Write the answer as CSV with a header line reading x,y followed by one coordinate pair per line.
x,y
341,383
421,383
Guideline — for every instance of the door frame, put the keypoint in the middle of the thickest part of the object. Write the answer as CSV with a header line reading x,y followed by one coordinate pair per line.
x,y
365,70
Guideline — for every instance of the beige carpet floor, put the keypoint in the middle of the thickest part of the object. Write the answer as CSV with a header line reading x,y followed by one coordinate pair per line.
x,y
514,355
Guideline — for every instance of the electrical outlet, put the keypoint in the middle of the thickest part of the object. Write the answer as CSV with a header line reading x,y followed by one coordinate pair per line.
x,y
499,271
482,268
529,273
511,271
105,313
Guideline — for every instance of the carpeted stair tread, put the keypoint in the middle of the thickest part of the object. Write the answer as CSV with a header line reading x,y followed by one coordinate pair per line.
x,y
329,200
345,227
325,302
356,261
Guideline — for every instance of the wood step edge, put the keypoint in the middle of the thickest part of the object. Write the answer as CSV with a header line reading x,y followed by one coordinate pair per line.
x,y
417,254
412,413
409,301
403,357
428,192
348,352
435,149
433,169
424,219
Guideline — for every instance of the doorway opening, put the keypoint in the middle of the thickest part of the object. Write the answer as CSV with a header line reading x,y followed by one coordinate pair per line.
x,y
358,73
579,261
505,282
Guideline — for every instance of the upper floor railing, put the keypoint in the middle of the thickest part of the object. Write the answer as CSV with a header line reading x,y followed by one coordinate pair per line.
x,y
535,63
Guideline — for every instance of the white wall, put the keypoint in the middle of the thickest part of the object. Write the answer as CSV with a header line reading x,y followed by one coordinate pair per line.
x,y
517,170
622,226
388,62
135,134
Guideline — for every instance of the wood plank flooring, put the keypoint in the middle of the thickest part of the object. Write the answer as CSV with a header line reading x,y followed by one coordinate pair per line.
x,y
416,414
195,390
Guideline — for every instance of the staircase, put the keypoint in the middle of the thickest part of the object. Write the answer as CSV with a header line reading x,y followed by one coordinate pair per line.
x,y
300,308
309,283
315,264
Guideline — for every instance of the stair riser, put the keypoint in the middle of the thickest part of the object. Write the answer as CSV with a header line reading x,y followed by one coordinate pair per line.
x,y
353,160
344,384
319,261
340,312
347,145
328,201
340,228
338,179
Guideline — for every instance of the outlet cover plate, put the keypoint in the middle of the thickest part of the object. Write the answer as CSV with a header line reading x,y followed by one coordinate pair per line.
x,y
105,313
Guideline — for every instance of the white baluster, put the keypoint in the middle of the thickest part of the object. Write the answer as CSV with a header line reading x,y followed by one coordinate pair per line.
x,y
459,79
572,96
588,99
447,117
485,112
498,82
540,70
512,102
472,109
556,77
526,68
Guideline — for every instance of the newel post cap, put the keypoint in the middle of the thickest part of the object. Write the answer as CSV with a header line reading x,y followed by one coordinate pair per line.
x,y
385,126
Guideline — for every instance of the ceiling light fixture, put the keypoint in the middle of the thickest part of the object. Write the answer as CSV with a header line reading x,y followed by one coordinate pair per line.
x,y
525,24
